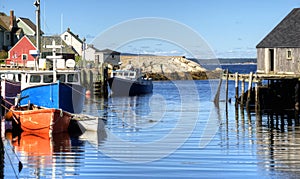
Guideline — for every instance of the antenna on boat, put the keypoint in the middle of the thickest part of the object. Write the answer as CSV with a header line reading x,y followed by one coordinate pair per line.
x,y
54,57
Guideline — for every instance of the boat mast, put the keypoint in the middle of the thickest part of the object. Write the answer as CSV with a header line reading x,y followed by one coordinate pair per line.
x,y
38,28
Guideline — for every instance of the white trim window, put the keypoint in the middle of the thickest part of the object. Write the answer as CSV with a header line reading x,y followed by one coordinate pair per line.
x,y
24,56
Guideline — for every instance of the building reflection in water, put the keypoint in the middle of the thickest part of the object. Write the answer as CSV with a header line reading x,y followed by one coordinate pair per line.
x,y
278,144
274,136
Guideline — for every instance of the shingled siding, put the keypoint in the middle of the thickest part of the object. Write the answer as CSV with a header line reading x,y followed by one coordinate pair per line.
x,y
285,65
282,65
261,60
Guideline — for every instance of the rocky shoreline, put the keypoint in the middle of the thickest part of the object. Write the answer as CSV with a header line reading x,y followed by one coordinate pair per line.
x,y
169,68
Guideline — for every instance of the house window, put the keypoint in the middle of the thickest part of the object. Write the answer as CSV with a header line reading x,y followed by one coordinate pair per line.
x,y
24,56
7,37
289,54
66,36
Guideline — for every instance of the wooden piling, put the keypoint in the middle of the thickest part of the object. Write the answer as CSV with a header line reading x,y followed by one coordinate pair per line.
x,y
297,103
217,96
236,88
105,82
242,92
249,90
226,91
226,86
257,98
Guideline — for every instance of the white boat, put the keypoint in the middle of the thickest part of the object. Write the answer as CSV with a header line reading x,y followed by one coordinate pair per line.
x,y
95,138
87,122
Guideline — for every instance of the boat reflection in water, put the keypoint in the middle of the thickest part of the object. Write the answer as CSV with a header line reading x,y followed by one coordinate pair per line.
x,y
38,149
95,138
54,155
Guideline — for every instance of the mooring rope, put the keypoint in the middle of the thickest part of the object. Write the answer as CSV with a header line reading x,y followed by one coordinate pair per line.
x,y
74,89
20,165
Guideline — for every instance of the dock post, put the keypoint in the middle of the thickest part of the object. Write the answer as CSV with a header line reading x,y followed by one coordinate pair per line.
x,y
236,88
249,90
217,96
297,103
226,90
257,104
242,93
105,81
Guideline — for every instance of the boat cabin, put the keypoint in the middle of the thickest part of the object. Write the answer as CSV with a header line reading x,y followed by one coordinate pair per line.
x,y
35,78
125,74
14,75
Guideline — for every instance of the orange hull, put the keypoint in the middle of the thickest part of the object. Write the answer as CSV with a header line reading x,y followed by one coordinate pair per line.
x,y
46,120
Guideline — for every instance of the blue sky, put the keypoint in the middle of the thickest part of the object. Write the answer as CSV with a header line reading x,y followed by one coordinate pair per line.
x,y
232,28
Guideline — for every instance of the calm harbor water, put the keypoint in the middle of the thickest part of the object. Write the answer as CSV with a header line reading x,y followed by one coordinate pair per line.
x,y
176,132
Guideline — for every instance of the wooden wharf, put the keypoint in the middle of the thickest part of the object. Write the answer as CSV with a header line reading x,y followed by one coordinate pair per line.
x,y
259,86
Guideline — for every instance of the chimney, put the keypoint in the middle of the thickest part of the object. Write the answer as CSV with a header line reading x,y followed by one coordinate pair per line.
x,y
12,18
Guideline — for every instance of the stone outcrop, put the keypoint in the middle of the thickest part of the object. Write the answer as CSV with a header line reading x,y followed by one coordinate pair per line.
x,y
166,67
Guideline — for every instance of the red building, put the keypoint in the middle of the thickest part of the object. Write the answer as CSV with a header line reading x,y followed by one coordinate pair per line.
x,y
19,53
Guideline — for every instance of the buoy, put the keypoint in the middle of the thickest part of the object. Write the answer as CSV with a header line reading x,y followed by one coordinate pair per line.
x,y
9,115
88,93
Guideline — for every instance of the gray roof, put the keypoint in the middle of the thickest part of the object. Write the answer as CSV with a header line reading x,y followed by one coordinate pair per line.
x,y
109,51
286,34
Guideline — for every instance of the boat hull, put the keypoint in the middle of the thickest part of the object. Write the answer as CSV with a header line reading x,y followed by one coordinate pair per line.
x,y
123,87
68,97
45,120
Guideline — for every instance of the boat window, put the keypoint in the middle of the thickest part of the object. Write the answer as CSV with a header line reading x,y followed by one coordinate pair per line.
x,y
131,74
48,78
10,76
61,77
35,79
19,77
125,73
72,78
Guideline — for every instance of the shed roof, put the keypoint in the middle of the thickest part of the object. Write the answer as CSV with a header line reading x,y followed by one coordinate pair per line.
x,y
286,34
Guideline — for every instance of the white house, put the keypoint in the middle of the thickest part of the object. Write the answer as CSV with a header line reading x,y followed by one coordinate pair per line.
x,y
92,54
72,40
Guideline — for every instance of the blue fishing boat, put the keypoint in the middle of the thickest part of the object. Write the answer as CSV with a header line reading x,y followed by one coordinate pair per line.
x,y
59,90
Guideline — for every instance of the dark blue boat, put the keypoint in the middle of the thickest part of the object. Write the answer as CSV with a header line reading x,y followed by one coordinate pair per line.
x,y
128,83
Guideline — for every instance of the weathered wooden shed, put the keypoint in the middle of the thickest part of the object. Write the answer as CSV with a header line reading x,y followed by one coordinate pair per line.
x,y
279,51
